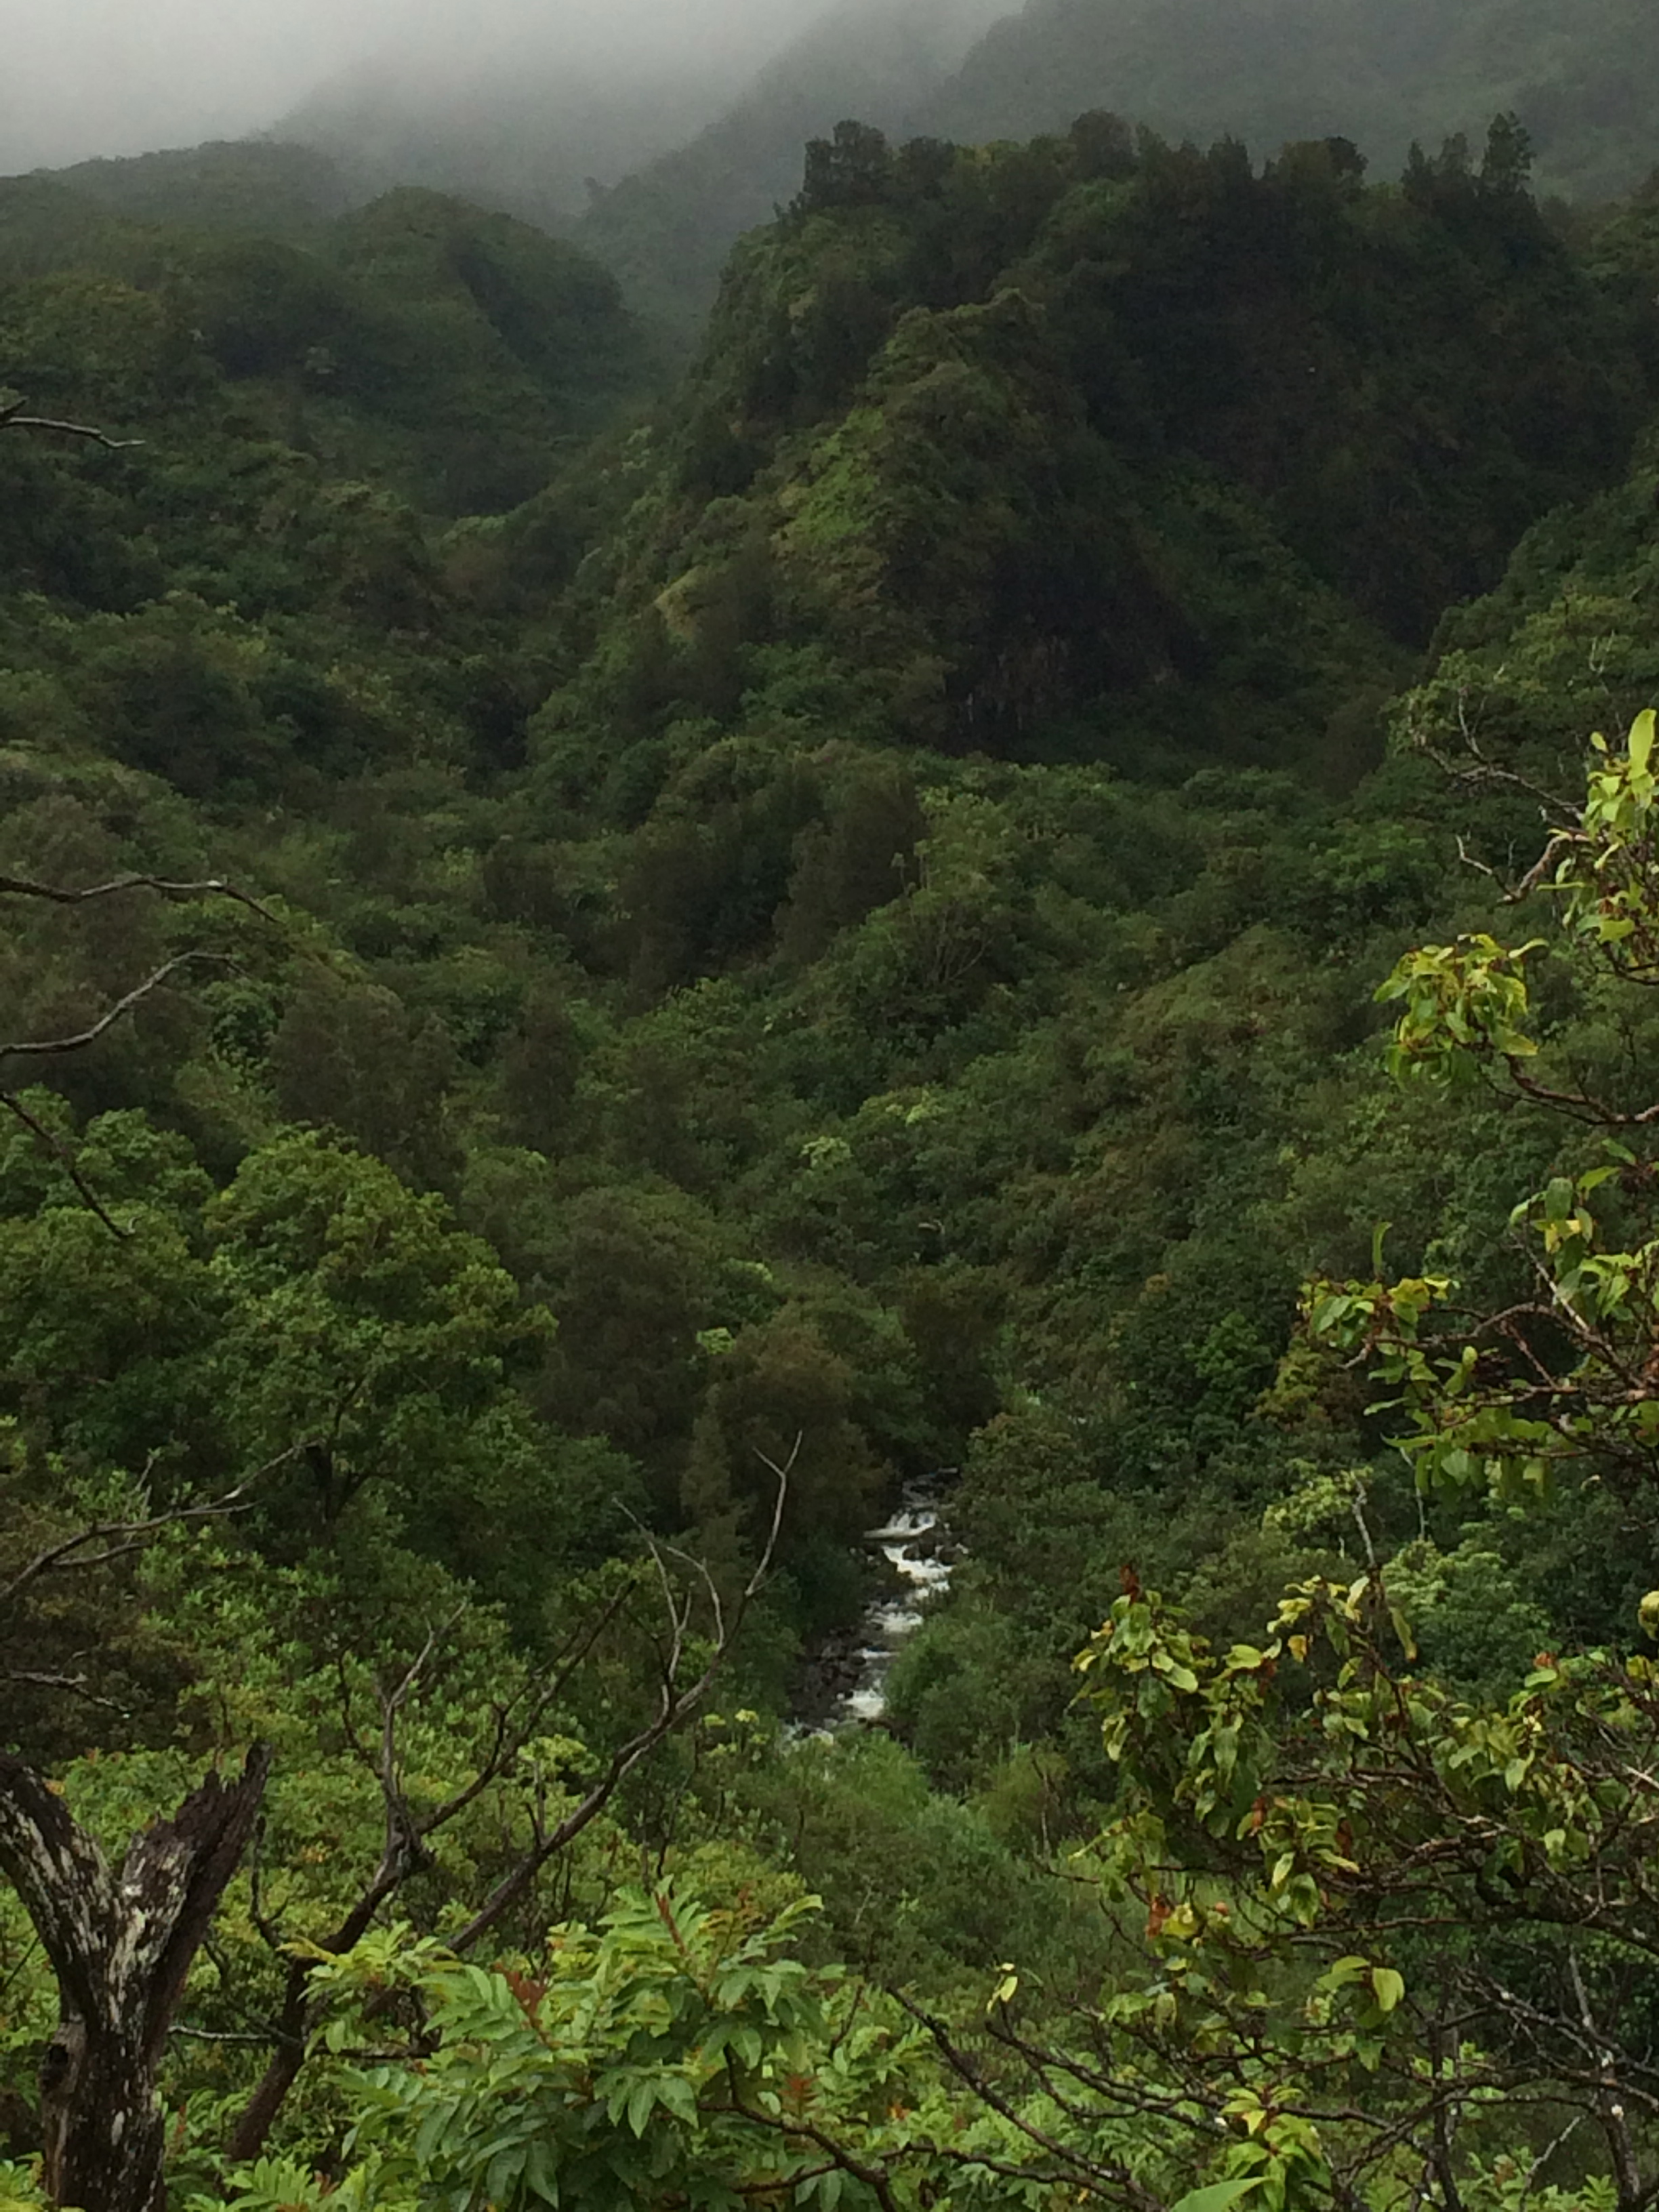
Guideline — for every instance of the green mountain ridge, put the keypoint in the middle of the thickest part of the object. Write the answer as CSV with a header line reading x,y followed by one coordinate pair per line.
x,y
270,187
659,959
1583,79
460,350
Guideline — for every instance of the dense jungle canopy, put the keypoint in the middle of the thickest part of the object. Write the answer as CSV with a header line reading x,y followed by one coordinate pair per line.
x,y
601,967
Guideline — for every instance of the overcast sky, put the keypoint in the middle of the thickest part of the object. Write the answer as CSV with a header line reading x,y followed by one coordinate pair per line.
x,y
79,77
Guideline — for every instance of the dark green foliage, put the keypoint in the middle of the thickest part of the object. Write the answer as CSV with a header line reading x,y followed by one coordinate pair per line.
x,y
417,335
1088,450
263,187
1579,75
837,934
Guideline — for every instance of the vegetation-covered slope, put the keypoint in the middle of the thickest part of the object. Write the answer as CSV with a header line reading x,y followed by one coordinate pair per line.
x,y
1074,450
1583,78
456,353
269,187
666,226
837,935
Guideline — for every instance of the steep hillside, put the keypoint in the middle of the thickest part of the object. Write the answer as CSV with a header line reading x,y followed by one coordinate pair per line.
x,y
457,351
563,1054
1582,76
1079,451
267,187
666,228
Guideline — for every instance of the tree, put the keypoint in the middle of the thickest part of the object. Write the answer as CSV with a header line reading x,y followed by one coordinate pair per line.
x,y
852,168
674,2054
337,1309
1396,1942
121,1945
1565,1379
45,1051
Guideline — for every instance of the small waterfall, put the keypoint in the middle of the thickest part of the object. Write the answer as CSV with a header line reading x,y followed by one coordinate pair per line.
x,y
916,1545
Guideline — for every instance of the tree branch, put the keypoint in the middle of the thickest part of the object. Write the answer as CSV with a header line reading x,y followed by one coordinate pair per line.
x,y
407,1837
128,1536
50,1048
167,886
12,417
52,1142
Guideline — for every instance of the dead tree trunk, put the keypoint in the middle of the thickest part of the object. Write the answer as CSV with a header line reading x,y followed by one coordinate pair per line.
x,y
121,1946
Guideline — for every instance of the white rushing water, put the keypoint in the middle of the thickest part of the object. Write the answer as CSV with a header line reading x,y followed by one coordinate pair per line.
x,y
915,1543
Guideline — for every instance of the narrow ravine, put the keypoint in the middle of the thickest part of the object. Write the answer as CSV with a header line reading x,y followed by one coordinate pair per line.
x,y
845,1681
916,1545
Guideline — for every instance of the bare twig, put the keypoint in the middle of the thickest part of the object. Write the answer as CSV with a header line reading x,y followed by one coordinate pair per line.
x,y
50,1048
675,1704
12,417
1111,2178
73,1685
165,886
408,1835
1615,2123
60,1151
124,1537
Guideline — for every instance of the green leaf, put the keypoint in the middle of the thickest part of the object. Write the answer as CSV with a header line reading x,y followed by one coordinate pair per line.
x,y
1218,2197
1387,1986
1641,741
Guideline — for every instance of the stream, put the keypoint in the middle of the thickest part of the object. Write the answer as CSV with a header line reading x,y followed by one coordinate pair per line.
x,y
848,1678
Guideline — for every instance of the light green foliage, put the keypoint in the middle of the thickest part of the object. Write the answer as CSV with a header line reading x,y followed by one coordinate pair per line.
x,y
674,2054
1491,1409
362,1323
1296,1813
18,2188
848,918
1607,873
1462,1000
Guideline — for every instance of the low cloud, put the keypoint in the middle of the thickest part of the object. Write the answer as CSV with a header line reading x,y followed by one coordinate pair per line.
x,y
84,78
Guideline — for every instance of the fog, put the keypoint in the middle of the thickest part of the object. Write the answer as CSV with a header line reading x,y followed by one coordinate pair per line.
x,y
85,77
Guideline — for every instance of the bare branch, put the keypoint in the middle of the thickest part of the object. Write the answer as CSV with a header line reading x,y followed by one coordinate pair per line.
x,y
769,1552
407,1837
12,417
61,895
676,1706
60,1151
1615,2124
49,1048
1113,2179
166,886
123,1537
72,1685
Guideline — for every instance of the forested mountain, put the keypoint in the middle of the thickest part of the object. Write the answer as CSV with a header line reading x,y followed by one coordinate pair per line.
x,y
666,228
273,189
1583,77
599,974
454,353
659,176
